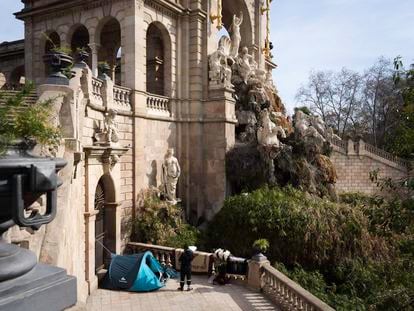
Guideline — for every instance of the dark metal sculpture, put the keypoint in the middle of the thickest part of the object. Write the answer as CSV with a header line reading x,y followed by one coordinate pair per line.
x,y
24,178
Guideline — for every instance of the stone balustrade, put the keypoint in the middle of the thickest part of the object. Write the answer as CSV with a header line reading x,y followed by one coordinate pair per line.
x,y
385,155
165,255
97,85
122,97
159,104
339,143
260,275
360,147
287,294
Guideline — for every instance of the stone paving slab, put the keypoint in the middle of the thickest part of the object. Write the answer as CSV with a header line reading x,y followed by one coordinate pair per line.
x,y
204,296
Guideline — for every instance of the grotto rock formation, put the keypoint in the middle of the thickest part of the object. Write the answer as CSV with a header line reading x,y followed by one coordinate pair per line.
x,y
270,148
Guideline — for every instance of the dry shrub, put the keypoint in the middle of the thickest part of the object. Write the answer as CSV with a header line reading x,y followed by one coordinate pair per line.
x,y
158,222
300,228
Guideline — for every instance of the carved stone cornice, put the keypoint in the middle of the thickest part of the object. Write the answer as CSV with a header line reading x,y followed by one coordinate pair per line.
x,y
61,8
105,154
168,8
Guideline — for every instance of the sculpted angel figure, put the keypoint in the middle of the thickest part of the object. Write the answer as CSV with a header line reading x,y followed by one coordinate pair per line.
x,y
235,34
110,126
171,171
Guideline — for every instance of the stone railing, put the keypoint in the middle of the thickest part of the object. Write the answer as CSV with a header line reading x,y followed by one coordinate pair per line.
x,y
360,147
385,155
122,97
287,294
158,104
165,255
259,275
97,85
339,143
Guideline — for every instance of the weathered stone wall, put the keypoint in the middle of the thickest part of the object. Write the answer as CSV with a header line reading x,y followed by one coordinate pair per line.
x,y
354,161
12,61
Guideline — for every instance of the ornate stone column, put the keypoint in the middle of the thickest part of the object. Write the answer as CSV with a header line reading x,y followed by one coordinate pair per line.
x,y
94,53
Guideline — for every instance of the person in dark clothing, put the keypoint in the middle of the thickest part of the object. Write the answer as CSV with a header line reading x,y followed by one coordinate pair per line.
x,y
185,264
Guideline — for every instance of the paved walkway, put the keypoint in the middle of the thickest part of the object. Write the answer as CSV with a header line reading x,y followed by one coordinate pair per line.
x,y
204,296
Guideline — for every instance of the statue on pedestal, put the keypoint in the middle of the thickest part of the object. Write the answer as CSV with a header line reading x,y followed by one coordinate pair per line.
x,y
171,171
109,134
235,34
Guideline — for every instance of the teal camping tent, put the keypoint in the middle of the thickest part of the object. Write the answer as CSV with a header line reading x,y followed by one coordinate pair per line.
x,y
138,273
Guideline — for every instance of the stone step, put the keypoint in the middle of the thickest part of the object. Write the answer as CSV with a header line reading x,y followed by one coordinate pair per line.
x,y
30,99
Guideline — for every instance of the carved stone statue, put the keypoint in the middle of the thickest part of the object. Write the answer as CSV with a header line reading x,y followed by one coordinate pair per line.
x,y
171,171
220,64
110,126
109,134
267,134
257,92
246,64
235,34
302,123
310,127
319,125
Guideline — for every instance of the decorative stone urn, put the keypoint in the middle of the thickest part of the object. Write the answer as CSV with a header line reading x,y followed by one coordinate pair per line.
x,y
81,57
23,179
59,62
104,70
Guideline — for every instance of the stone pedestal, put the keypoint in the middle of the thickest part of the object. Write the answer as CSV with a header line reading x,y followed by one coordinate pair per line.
x,y
254,278
44,288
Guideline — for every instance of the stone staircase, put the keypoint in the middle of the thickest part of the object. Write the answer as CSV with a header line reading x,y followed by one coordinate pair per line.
x,y
30,99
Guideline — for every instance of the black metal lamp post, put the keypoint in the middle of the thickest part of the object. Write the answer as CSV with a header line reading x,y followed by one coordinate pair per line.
x,y
23,179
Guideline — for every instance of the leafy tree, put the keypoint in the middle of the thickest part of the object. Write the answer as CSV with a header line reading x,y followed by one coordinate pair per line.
x,y
29,122
401,140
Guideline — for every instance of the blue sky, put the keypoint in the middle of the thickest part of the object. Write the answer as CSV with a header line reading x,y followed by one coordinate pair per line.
x,y
313,34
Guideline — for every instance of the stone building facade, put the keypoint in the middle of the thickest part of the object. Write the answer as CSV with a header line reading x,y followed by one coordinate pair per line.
x,y
159,88
158,85
12,63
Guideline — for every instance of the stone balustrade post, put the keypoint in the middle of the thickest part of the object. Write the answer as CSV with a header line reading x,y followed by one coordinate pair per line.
x,y
94,53
254,278
361,147
350,149
108,91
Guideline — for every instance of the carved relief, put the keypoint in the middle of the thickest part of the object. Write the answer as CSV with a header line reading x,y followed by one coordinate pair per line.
x,y
108,134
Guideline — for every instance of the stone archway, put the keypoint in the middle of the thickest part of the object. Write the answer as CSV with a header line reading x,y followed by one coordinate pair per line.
x,y
102,209
158,53
105,226
234,7
109,37
100,228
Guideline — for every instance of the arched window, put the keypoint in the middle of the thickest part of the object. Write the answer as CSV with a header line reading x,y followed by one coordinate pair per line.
x,y
235,7
110,44
80,40
17,77
52,41
158,60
